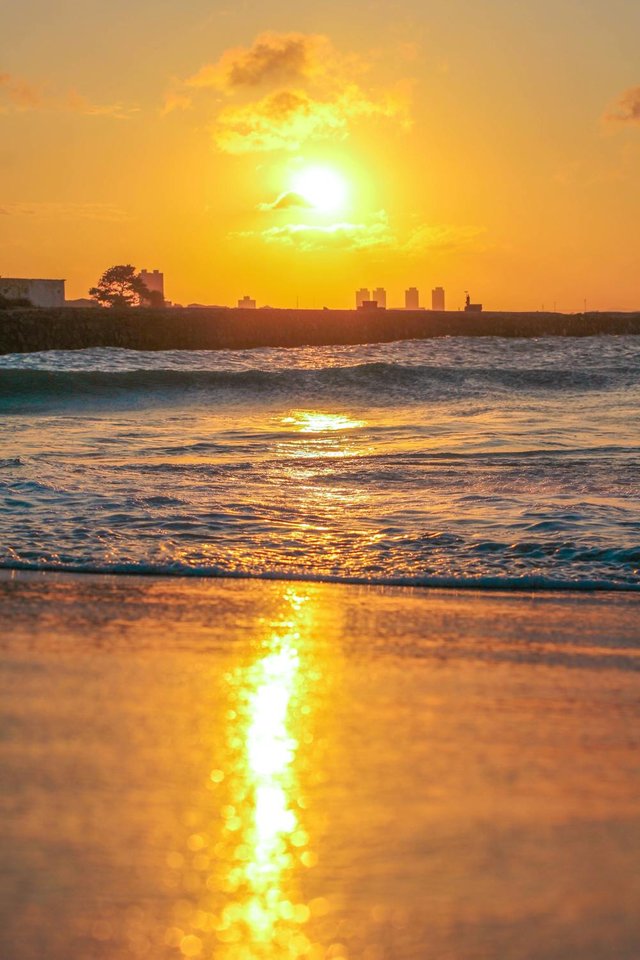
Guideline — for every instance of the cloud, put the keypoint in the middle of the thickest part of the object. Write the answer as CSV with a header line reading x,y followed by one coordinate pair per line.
x,y
626,109
441,237
52,210
21,95
287,89
313,237
273,58
287,119
78,103
305,236
280,121
176,100
376,232
287,201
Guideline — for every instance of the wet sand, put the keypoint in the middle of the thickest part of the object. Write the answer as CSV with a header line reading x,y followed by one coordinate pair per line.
x,y
241,769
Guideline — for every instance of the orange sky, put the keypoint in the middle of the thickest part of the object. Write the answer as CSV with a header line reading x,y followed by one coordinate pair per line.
x,y
495,150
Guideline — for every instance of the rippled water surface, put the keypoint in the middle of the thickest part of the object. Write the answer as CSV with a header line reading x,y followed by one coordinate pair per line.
x,y
451,461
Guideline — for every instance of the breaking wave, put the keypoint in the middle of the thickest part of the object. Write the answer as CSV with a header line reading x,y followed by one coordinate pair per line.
x,y
367,382
464,464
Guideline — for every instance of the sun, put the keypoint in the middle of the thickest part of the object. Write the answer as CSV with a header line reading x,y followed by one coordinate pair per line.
x,y
325,189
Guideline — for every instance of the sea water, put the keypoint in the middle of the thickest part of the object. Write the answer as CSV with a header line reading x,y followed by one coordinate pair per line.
x,y
457,461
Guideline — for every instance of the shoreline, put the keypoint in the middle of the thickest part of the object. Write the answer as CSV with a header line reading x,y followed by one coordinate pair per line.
x,y
225,328
533,585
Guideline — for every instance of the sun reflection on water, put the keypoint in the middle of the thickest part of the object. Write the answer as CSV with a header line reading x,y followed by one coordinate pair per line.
x,y
250,908
320,435
313,421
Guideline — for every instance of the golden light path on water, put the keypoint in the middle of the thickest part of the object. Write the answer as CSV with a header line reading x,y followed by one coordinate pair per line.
x,y
319,434
314,421
251,909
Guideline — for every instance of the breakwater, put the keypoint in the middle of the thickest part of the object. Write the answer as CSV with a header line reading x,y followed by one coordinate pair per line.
x,y
218,328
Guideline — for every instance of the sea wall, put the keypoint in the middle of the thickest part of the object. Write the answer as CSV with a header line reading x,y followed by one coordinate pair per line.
x,y
27,330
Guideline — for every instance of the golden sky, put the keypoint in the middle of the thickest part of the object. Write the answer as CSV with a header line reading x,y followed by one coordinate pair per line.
x,y
296,154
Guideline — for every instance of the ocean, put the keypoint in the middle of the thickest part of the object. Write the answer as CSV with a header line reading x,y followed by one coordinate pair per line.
x,y
463,462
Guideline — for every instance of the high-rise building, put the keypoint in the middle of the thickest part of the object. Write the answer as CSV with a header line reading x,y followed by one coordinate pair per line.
x,y
380,297
412,299
153,281
437,298
246,303
361,295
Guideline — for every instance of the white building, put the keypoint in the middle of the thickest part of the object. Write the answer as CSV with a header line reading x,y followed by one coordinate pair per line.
x,y
362,295
437,298
380,297
41,293
412,299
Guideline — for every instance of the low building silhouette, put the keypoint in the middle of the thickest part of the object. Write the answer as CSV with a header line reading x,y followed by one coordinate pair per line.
x,y
246,303
471,307
41,293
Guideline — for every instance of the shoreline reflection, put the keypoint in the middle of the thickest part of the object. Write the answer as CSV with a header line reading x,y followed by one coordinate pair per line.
x,y
252,910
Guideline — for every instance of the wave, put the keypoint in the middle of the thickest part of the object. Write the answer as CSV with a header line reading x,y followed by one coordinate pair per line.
x,y
371,379
529,583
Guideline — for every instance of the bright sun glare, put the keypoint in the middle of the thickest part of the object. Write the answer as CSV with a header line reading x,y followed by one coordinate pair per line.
x,y
323,188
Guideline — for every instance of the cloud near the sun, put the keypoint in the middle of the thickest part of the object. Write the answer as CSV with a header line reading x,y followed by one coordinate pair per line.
x,y
626,110
287,201
374,232
312,237
287,90
287,119
273,58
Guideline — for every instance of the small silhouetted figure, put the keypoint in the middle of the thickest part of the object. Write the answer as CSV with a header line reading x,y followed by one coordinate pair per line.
x,y
467,301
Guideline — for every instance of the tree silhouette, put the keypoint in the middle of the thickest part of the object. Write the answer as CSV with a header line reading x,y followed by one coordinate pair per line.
x,y
121,286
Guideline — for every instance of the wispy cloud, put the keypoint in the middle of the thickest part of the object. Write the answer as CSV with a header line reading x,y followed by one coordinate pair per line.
x,y
626,109
287,90
375,232
442,237
18,94
311,237
52,210
78,103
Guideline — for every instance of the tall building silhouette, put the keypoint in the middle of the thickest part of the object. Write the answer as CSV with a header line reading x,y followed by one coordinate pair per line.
x,y
412,299
380,296
361,295
437,298
246,303
153,281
